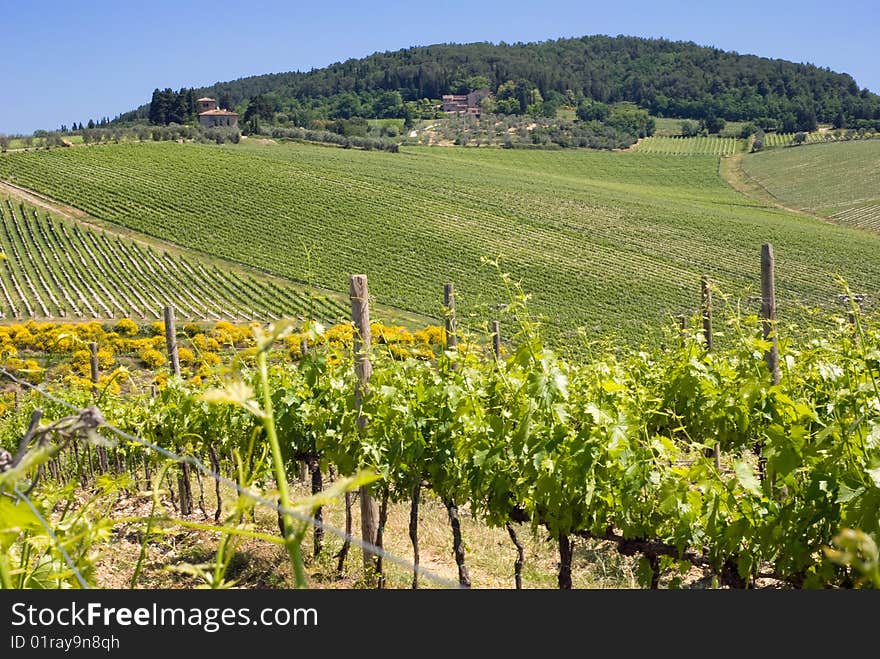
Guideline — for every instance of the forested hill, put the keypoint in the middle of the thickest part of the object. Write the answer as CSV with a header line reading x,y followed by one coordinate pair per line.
x,y
680,79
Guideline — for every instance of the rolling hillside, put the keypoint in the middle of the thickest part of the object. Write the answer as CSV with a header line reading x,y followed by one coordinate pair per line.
x,y
613,242
838,181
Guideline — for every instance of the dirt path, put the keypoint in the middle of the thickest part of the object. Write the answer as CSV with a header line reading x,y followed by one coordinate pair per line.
x,y
41,201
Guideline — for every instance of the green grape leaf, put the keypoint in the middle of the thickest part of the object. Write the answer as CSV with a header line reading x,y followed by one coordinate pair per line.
x,y
746,478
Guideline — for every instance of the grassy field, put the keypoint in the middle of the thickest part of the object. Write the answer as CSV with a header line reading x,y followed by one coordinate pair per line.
x,y
671,127
840,181
36,142
611,242
667,127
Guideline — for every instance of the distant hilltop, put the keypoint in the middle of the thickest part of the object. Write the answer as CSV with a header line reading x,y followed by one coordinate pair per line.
x,y
668,78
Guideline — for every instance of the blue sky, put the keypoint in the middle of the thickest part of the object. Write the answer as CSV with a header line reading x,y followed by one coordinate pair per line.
x,y
70,61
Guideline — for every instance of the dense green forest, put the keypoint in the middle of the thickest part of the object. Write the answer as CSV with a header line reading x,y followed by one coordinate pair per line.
x,y
673,79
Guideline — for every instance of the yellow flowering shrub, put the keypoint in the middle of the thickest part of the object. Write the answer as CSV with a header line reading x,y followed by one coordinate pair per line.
x,y
7,350
339,334
431,335
157,328
27,369
391,334
121,346
152,358
228,334
127,327
81,361
91,331
209,358
105,359
111,383
21,336
186,356
202,343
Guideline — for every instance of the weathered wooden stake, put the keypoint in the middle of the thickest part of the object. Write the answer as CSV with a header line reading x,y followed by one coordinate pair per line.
x,y
414,531
451,506
707,310
317,487
768,310
706,306
768,316
215,467
183,484
496,339
358,292
451,325
93,363
171,340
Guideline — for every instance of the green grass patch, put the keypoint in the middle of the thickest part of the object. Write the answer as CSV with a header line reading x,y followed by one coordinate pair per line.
x,y
667,126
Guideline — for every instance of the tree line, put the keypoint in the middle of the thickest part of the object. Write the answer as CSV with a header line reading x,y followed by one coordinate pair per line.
x,y
671,79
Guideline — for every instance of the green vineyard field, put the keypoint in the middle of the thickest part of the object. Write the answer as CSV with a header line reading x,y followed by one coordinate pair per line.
x,y
61,269
688,146
840,181
610,242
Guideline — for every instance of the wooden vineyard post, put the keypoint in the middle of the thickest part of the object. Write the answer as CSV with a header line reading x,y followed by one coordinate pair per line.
x,y
706,307
93,363
303,466
520,552
451,325
451,506
768,321
360,315
183,484
768,310
95,377
171,340
682,327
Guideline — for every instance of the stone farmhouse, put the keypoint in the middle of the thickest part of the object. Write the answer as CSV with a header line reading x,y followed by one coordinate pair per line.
x,y
210,115
465,103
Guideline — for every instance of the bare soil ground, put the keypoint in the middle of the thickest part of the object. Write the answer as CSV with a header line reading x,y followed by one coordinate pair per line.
x,y
172,552
260,564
